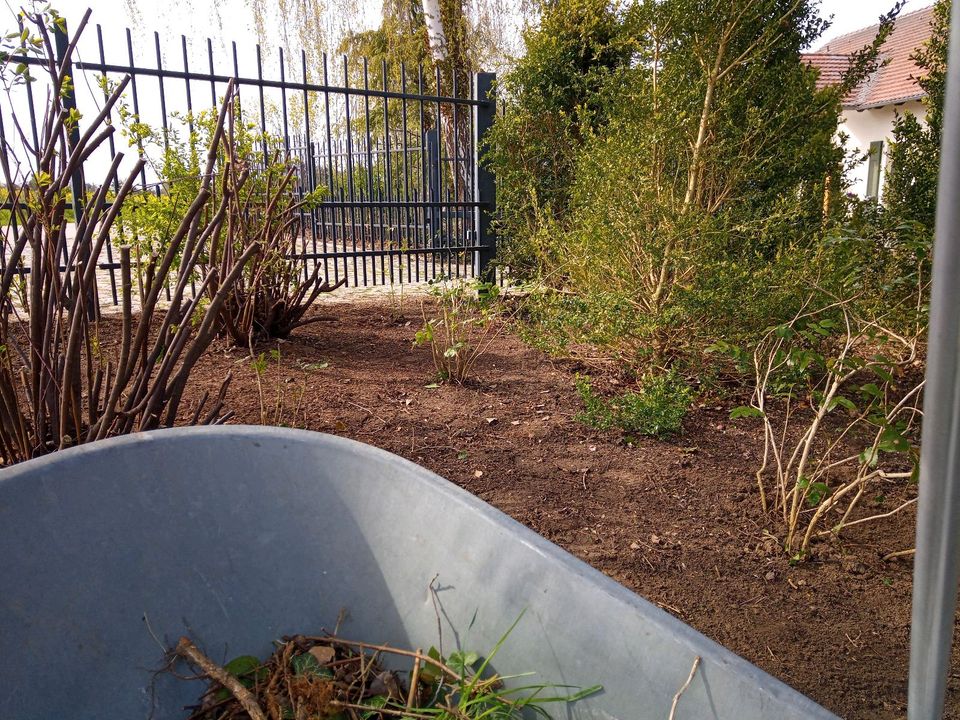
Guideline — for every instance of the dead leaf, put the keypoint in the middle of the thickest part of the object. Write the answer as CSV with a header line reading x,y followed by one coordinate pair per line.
x,y
478,473
634,545
514,422
490,421
323,653
655,539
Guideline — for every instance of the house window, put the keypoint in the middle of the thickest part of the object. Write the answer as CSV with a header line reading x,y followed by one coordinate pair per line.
x,y
875,158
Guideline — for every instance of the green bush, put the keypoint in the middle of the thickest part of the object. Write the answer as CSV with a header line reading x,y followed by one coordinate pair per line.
x,y
672,161
554,321
656,410
553,101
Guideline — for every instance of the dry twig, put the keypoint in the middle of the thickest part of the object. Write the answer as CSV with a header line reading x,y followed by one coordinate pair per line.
x,y
683,688
188,651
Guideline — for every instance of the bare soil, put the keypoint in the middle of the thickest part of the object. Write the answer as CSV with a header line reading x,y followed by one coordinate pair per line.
x,y
678,522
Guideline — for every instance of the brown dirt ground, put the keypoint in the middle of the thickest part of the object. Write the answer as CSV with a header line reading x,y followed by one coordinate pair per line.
x,y
678,522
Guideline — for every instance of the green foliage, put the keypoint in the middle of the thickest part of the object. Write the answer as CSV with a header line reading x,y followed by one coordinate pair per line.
x,y
30,39
460,330
910,192
554,321
673,160
657,410
179,159
552,100
853,376
461,686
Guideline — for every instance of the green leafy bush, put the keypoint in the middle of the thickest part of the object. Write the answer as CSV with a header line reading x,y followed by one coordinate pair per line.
x,y
656,410
553,101
672,171
910,189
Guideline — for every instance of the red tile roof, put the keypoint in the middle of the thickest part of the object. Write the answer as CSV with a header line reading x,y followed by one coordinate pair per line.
x,y
896,80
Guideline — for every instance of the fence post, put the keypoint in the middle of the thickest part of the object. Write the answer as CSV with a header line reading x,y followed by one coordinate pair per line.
x,y
62,44
432,155
485,188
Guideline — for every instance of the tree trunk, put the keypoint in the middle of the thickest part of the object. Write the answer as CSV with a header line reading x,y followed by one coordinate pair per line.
x,y
453,132
435,34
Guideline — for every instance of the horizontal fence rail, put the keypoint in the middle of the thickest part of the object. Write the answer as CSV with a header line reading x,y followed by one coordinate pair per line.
x,y
386,158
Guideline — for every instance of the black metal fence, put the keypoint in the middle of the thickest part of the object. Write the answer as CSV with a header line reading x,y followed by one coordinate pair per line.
x,y
387,156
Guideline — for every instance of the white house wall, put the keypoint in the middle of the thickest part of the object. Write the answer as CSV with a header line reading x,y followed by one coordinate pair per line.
x,y
866,126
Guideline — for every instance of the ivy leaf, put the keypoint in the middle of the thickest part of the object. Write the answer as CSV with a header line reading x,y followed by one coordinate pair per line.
x,y
816,493
843,402
242,665
870,457
883,373
745,411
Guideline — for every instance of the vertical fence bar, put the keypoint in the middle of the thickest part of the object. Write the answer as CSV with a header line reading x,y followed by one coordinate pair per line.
x,y
333,216
263,108
436,194
370,180
937,560
422,190
469,228
140,151
163,117
4,229
484,183
62,43
213,83
454,210
311,178
186,84
283,104
350,184
136,104
404,236
391,215
116,180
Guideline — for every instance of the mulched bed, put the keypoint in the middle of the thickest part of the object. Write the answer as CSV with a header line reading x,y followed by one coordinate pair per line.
x,y
678,522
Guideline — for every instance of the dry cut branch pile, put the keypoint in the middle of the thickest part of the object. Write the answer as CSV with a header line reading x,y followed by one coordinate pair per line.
x,y
326,676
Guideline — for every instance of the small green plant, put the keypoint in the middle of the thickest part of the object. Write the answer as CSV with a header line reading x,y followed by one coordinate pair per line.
x,y
275,415
462,327
657,410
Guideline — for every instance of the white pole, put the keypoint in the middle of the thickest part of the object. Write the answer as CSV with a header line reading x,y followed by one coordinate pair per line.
x,y
938,521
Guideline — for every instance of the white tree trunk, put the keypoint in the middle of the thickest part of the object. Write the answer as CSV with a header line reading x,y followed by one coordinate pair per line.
x,y
435,34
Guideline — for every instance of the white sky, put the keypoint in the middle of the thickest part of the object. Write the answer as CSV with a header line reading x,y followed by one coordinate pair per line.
x,y
849,15
200,18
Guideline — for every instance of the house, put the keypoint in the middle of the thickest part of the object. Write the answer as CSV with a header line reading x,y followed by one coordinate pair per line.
x,y
869,110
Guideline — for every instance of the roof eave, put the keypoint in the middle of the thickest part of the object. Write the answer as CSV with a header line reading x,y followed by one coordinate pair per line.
x,y
883,103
